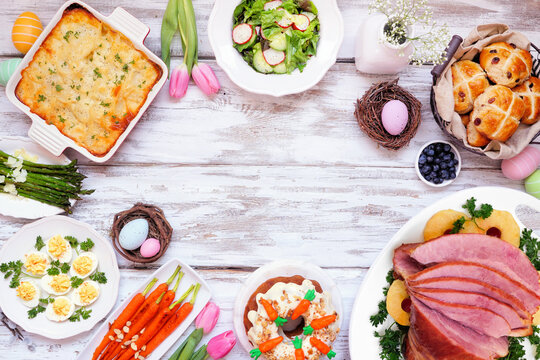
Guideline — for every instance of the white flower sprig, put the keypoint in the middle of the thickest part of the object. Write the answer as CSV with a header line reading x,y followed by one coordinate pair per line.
x,y
427,47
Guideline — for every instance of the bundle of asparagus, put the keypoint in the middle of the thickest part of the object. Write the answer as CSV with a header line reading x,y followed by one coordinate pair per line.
x,y
50,184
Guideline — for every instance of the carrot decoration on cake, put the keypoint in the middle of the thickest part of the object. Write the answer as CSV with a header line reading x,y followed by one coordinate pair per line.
x,y
304,304
298,351
272,313
265,347
319,323
322,347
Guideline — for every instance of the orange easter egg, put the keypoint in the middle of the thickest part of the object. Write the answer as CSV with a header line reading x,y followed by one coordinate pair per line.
x,y
26,30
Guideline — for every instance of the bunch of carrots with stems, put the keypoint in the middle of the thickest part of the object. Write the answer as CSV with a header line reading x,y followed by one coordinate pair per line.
x,y
146,321
180,16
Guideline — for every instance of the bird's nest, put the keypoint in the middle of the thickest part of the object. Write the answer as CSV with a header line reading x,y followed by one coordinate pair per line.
x,y
158,228
369,108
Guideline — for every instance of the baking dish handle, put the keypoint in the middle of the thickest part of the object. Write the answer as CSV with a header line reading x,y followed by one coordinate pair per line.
x,y
453,46
48,138
129,25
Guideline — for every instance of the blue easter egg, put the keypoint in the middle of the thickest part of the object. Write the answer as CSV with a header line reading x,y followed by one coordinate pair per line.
x,y
133,234
7,68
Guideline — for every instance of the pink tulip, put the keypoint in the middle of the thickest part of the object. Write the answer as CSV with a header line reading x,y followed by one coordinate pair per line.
x,y
207,318
204,77
179,81
219,346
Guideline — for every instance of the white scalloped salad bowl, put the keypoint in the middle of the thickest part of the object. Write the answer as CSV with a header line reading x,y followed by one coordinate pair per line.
x,y
220,26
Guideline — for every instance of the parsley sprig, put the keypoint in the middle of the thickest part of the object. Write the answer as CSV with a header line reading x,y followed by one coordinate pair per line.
x,y
76,281
530,246
33,312
14,269
390,341
516,350
57,267
86,245
381,315
80,313
39,243
99,277
483,212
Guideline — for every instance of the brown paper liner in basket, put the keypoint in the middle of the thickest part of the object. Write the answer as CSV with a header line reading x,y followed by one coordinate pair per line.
x,y
442,99
369,108
158,228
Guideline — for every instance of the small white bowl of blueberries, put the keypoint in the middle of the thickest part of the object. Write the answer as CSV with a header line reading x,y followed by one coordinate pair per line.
x,y
438,163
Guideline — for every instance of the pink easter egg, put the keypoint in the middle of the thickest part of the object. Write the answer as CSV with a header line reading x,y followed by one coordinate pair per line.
x,y
394,117
150,247
521,165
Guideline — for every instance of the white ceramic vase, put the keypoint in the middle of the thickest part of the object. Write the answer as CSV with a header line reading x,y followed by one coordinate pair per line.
x,y
374,54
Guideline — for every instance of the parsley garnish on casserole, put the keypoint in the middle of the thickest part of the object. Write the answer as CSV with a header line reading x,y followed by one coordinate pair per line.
x,y
80,65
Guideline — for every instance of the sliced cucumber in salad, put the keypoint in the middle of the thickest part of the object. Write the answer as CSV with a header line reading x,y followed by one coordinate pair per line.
x,y
276,36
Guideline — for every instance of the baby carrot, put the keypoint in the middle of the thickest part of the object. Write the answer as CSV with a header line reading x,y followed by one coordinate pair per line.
x,y
319,323
173,321
170,294
265,347
304,304
123,318
322,347
298,351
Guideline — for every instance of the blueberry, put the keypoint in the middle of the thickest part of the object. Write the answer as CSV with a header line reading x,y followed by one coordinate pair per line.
x,y
452,156
446,147
429,159
437,160
444,165
447,157
428,178
426,169
445,174
452,176
430,152
436,167
455,162
433,174
438,147
437,180
422,159
431,147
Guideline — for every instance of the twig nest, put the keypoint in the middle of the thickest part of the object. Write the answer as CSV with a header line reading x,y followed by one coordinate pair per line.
x,y
369,114
159,230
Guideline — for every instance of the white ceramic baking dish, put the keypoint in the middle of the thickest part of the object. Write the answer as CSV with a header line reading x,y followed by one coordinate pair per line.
x,y
49,136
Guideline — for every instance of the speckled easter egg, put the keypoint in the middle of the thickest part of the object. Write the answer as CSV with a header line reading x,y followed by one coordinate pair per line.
x,y
532,184
133,234
150,247
26,30
394,117
521,165
7,68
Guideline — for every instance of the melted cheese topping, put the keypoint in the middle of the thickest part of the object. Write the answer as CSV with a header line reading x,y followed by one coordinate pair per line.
x,y
285,297
87,80
60,283
61,307
82,265
36,264
26,291
87,293
57,246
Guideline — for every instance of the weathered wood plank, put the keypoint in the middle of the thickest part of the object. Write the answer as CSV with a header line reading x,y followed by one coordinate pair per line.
x,y
247,215
461,18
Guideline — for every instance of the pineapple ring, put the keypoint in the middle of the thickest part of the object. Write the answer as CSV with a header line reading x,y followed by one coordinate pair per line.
x,y
441,223
396,302
502,225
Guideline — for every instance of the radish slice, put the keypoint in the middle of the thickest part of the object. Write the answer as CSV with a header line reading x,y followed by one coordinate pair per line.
x,y
285,22
301,22
271,5
261,32
273,57
242,33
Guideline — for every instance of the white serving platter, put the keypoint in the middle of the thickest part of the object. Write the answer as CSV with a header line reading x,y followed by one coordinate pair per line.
x,y
287,267
362,343
18,206
49,136
220,24
162,274
23,241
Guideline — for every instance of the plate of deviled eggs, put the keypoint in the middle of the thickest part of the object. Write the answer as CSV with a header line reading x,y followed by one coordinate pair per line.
x,y
60,277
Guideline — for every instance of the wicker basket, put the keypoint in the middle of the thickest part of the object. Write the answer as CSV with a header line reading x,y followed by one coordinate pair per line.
x,y
453,46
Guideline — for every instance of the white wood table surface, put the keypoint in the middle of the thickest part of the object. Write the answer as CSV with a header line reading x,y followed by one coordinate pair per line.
x,y
245,179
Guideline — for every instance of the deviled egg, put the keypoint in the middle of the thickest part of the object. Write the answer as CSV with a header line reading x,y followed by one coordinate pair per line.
x,y
59,249
36,263
86,294
28,292
84,265
60,309
57,284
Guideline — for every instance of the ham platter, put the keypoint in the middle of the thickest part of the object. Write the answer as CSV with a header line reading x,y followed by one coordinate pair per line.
x,y
458,286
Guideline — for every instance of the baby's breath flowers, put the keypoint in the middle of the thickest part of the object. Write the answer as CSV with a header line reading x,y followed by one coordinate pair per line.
x,y
402,14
